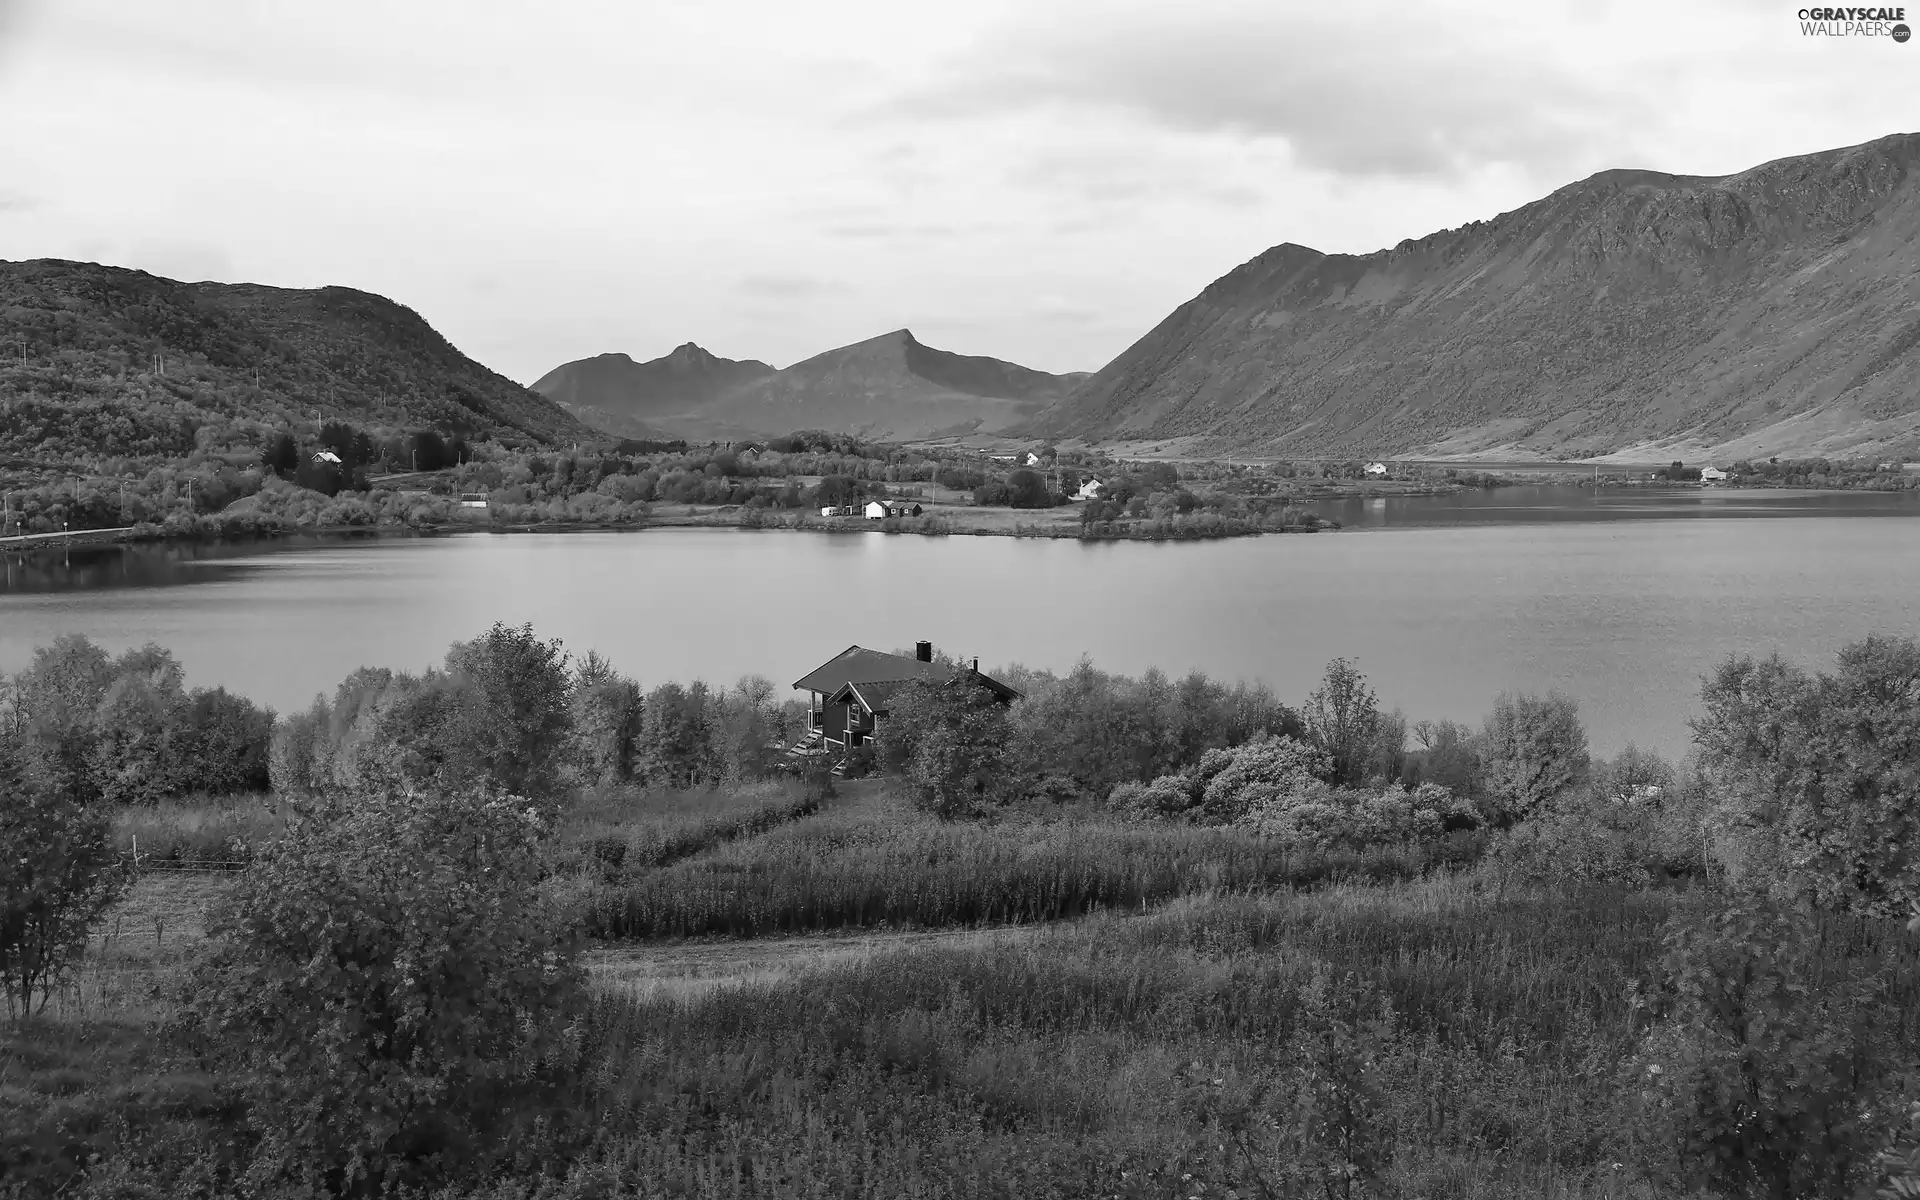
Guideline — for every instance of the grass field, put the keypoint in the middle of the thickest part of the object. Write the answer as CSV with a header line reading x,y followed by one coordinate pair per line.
x,y
1038,1007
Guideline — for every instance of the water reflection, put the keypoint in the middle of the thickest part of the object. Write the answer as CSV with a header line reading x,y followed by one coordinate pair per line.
x,y
1530,505
87,568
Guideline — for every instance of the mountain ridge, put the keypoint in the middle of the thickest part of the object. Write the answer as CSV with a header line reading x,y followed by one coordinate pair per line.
x,y
889,386
1629,312
614,393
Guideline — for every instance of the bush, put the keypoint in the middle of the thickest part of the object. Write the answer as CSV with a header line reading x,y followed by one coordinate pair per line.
x,y
1262,778
58,875
1756,1078
396,988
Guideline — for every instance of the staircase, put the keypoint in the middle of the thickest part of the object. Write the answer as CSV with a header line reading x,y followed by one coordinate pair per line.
x,y
809,747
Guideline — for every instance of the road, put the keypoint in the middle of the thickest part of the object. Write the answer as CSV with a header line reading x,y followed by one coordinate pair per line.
x,y
75,536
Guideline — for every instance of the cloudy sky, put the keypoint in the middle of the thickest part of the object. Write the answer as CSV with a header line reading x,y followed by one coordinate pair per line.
x,y
1039,180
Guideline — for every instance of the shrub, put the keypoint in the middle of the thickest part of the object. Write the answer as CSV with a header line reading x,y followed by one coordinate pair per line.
x,y
1263,777
1755,1079
395,985
1168,797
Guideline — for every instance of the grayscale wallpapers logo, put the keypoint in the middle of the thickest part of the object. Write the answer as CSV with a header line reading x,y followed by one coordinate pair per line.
x,y
1855,22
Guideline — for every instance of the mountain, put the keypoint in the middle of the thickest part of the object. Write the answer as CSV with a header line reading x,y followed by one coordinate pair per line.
x,y
102,362
615,393
1633,314
890,388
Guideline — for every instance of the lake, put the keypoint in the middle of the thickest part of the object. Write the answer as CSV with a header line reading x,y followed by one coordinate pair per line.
x,y
1622,599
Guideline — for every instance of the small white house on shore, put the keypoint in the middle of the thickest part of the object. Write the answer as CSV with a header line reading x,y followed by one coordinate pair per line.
x,y
1090,490
1376,468
326,456
877,510
473,499
1712,475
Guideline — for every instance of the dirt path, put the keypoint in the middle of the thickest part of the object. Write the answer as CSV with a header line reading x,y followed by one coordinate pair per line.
x,y
684,970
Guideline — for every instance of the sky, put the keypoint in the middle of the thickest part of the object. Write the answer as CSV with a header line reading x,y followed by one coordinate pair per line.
x,y
1037,180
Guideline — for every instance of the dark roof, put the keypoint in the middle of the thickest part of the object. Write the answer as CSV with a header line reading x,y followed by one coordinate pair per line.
x,y
856,664
879,675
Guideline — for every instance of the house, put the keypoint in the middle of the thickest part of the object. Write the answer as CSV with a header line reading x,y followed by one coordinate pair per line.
x,y
852,689
326,456
1376,468
1032,459
1090,490
1712,475
877,510
473,499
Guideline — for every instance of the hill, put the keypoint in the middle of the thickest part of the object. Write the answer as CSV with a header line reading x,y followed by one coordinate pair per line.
x,y
105,363
1633,314
891,387
615,393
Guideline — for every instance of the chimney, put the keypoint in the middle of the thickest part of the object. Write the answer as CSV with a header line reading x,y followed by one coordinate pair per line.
x,y
976,666
923,651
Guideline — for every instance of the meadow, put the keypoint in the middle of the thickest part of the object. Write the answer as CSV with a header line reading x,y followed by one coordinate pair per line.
x,y
1049,1004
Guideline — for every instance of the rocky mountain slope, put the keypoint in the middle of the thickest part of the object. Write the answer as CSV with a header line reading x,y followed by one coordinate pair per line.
x,y
1632,314
891,387
100,362
615,393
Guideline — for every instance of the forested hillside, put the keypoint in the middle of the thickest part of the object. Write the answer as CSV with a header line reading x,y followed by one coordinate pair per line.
x,y
99,364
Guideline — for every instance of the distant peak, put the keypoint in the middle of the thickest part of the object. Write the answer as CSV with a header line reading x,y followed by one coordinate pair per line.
x,y
689,352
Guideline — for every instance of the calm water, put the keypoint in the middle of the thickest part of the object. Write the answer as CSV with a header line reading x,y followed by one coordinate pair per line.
x,y
1622,600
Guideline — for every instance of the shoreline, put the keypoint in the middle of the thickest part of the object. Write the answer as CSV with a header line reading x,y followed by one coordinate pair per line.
x,y
943,521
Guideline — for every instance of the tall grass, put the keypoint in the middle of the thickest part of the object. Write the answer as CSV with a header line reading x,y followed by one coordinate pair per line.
x,y
202,829
834,872
636,828
1063,1062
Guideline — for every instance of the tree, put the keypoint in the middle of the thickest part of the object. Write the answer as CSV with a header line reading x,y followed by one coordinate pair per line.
x,y
282,454
429,451
1027,489
56,699
1819,776
511,719
673,748
951,738
223,742
606,722
396,988
1343,721
58,875
838,490
135,756
1447,756
1532,751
